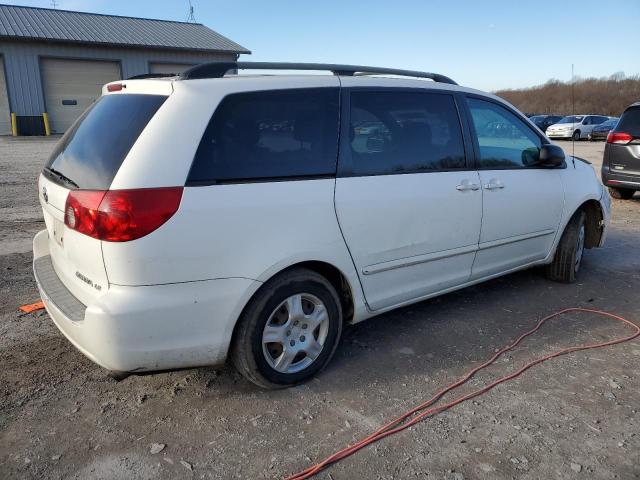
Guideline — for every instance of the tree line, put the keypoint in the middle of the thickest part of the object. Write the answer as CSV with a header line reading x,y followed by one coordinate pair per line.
x,y
603,96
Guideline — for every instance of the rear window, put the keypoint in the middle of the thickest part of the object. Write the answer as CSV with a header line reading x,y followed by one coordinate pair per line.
x,y
92,150
269,135
630,122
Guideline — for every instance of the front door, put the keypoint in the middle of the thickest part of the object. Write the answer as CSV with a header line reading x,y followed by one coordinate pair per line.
x,y
522,202
407,203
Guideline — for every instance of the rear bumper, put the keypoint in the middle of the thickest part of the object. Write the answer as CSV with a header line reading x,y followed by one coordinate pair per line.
x,y
616,180
131,329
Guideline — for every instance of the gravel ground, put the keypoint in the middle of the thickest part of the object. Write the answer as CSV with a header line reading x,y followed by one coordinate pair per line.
x,y
576,417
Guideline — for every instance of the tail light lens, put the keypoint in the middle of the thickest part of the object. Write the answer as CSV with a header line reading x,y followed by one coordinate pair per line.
x,y
619,137
120,215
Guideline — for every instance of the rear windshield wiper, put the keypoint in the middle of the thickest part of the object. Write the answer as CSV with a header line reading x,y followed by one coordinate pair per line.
x,y
61,176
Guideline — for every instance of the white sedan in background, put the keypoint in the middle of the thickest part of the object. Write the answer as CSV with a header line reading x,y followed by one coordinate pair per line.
x,y
575,126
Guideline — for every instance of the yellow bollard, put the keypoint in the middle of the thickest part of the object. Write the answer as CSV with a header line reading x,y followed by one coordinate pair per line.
x,y
45,118
14,125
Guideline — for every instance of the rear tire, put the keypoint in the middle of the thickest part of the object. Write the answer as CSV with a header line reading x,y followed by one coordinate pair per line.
x,y
576,136
568,257
621,193
288,331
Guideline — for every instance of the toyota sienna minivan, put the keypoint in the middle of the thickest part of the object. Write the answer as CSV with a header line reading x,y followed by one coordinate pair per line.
x,y
208,215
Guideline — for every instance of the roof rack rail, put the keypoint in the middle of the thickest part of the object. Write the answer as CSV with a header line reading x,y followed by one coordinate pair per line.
x,y
142,76
220,69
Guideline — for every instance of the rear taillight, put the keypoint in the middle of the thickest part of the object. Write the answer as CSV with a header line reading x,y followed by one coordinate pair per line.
x,y
619,137
120,215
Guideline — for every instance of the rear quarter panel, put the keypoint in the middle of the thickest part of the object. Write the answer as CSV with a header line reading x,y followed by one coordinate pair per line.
x,y
248,230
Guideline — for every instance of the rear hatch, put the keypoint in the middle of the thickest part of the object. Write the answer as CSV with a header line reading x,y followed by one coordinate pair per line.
x,y
622,151
87,158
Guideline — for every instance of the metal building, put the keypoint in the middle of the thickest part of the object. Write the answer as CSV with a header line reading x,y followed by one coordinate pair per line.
x,y
54,62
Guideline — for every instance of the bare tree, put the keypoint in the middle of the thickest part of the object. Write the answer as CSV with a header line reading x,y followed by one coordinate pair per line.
x,y
604,96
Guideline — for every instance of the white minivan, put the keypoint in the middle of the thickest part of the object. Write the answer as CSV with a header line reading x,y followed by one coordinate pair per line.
x,y
206,216
575,127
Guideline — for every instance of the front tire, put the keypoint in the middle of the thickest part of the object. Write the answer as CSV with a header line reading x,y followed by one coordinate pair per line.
x,y
621,193
568,257
289,330
576,136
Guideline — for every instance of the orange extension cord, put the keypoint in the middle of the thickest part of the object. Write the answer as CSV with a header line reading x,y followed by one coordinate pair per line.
x,y
397,424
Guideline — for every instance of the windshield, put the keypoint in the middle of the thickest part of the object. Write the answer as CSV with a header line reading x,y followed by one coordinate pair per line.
x,y
537,118
572,119
91,152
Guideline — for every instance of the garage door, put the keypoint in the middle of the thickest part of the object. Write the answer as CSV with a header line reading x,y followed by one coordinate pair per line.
x,y
5,113
168,67
70,86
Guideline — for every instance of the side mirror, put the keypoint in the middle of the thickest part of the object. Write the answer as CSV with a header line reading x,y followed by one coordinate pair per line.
x,y
551,156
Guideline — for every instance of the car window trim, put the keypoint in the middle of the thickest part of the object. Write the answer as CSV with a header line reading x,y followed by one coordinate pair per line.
x,y
345,160
476,145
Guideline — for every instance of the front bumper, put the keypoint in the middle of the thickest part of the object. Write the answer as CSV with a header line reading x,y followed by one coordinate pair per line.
x,y
560,134
144,328
605,203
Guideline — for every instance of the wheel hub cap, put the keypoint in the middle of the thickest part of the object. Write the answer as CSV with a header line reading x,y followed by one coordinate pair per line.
x,y
295,333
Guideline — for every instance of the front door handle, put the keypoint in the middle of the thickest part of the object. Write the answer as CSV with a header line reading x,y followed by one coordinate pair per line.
x,y
494,184
467,185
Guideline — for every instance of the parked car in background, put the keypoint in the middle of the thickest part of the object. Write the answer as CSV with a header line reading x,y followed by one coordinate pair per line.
x,y
575,126
206,216
621,163
601,131
545,121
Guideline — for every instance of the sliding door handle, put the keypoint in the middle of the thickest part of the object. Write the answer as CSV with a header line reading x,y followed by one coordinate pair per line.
x,y
467,185
493,185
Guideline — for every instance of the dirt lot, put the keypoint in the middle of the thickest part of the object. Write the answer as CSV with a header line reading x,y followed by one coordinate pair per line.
x,y
62,417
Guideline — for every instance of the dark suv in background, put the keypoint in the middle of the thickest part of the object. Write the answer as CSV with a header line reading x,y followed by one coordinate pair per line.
x,y
544,121
621,163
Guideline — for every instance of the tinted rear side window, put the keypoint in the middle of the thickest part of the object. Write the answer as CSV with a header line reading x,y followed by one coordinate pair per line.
x,y
630,122
404,132
269,135
92,150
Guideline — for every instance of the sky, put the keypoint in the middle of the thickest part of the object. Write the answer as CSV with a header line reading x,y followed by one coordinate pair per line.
x,y
486,44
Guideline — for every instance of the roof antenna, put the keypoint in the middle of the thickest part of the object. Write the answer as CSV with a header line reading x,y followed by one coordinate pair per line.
x,y
191,18
573,113
54,4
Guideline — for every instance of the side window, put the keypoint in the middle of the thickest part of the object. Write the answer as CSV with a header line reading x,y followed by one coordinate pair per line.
x,y
404,132
270,134
505,141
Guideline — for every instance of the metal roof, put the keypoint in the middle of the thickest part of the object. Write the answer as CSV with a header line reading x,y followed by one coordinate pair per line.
x,y
31,23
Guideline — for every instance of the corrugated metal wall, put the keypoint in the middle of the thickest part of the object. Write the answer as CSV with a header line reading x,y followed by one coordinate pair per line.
x,y
24,82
